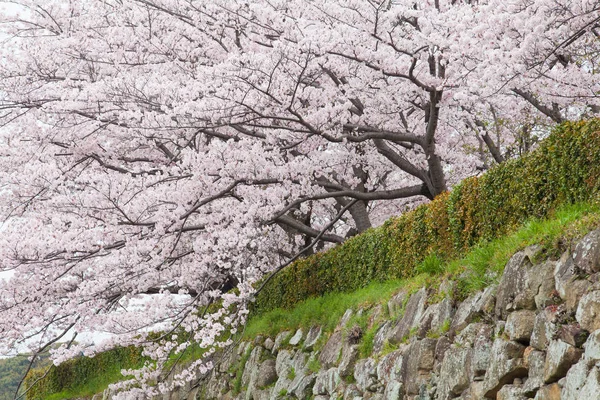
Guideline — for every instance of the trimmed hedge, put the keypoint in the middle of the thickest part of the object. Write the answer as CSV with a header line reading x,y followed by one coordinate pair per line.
x,y
78,372
564,169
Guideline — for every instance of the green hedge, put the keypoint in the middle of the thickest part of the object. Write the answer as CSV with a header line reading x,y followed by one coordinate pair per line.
x,y
564,169
79,372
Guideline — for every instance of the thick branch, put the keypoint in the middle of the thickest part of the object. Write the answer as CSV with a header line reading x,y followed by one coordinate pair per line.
x,y
307,230
552,113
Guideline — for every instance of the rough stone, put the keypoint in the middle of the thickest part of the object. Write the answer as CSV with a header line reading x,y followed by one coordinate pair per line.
x,y
588,311
292,372
381,336
564,274
506,364
282,385
297,338
474,392
559,358
412,314
376,314
474,306
575,379
516,289
267,374
546,294
572,334
549,392
243,347
283,360
365,374
434,318
396,303
348,361
510,392
351,392
544,328
586,255
269,343
442,346
420,362
252,365
534,361
330,353
280,340
519,325
576,290
591,388
302,386
592,346
311,338
390,367
455,372
482,353
393,391
215,386
230,358
327,381
345,318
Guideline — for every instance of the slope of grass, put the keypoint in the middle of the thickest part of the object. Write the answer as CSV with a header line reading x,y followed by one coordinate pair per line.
x,y
96,384
478,268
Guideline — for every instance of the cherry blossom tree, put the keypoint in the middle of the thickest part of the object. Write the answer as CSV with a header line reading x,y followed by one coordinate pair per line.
x,y
172,150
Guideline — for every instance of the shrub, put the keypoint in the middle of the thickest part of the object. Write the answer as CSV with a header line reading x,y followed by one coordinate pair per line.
x,y
565,169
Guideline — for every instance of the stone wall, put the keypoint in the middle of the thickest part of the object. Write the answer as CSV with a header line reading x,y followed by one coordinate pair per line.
x,y
536,334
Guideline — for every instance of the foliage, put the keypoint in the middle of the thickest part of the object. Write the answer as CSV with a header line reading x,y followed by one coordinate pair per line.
x,y
11,373
565,169
82,376
431,265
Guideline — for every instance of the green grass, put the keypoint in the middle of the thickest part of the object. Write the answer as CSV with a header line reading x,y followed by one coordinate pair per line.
x,y
432,265
479,268
325,311
237,382
96,384
484,264
314,365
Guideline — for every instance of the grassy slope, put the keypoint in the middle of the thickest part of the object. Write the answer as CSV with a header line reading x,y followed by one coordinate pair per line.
x,y
478,268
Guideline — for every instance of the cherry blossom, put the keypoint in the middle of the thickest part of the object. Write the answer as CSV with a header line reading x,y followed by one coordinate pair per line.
x,y
155,154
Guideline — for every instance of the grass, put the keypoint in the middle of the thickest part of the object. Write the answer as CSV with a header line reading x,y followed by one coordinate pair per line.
x,y
291,374
325,311
314,365
484,264
237,382
479,268
443,329
97,384
432,265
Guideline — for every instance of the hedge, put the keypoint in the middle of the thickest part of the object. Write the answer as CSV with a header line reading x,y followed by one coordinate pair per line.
x,y
78,372
564,169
